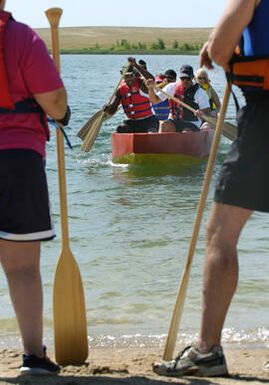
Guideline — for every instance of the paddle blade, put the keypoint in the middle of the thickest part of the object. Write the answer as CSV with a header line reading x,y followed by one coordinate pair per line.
x,y
176,318
70,325
229,131
83,132
87,126
93,132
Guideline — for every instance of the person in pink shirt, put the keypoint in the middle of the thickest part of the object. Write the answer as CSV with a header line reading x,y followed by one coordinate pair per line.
x,y
31,89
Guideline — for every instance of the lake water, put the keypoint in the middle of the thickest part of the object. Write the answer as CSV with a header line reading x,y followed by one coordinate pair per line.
x,y
130,229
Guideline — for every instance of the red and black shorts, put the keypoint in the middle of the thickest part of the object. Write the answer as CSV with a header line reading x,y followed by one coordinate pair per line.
x,y
244,176
24,203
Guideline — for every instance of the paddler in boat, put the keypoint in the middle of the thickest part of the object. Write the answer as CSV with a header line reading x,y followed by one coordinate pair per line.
x,y
181,119
162,109
170,76
201,77
133,95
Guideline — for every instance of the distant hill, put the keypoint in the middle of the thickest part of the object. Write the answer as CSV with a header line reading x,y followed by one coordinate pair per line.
x,y
90,37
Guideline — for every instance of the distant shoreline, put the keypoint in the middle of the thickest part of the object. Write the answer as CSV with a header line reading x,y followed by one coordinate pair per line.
x,y
107,52
128,40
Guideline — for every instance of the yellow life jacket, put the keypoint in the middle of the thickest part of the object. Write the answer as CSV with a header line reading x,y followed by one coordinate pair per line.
x,y
207,88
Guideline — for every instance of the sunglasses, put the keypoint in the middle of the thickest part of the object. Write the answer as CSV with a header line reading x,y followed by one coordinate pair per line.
x,y
200,78
185,78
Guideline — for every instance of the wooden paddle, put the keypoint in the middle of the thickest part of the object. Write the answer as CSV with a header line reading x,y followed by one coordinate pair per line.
x,y
90,130
228,129
85,129
93,131
70,325
174,325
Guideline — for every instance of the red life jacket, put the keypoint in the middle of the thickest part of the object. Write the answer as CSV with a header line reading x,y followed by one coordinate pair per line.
x,y
5,96
175,108
187,96
135,105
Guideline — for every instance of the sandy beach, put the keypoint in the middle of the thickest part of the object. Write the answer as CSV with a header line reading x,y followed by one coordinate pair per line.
x,y
107,366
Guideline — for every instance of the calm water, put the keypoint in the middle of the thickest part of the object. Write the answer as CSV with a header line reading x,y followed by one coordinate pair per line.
x,y
130,229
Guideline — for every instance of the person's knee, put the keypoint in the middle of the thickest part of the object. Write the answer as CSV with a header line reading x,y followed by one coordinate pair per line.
x,y
17,256
123,129
218,244
206,126
167,126
27,273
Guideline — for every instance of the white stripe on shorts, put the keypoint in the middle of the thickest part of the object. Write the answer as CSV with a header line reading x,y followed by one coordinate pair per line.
x,y
38,236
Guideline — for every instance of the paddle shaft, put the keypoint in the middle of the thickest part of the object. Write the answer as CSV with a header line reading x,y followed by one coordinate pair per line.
x,y
174,325
119,82
54,15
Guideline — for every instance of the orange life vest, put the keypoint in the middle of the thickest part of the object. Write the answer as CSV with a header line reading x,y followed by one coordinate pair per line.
x,y
135,105
250,65
5,96
249,71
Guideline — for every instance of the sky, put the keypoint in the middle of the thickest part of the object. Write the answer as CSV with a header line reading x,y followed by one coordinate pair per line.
x,y
137,13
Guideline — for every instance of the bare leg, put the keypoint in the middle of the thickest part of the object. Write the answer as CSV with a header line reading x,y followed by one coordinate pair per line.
x,y
205,126
220,271
21,263
167,126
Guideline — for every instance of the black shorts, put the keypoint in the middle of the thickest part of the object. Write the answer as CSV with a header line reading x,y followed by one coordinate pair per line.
x,y
244,180
183,124
24,203
150,124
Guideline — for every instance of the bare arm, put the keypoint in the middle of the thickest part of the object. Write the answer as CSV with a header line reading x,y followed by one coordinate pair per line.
x,y
112,107
202,111
54,103
215,98
226,35
150,83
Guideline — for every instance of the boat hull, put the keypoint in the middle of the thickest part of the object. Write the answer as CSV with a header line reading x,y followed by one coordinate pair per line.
x,y
162,148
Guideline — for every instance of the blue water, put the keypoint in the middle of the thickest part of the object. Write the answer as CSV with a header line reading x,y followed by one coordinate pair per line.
x,y
130,229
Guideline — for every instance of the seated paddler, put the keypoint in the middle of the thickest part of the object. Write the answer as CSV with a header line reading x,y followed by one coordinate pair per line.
x,y
132,94
187,90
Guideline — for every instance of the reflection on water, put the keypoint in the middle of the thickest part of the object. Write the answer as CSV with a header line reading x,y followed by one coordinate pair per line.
x,y
151,170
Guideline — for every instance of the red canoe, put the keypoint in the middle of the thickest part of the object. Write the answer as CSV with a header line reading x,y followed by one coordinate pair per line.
x,y
166,148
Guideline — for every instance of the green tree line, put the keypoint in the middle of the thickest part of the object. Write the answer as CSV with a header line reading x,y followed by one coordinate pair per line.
x,y
124,46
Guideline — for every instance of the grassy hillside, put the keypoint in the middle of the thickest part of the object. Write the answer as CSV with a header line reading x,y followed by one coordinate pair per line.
x,y
82,38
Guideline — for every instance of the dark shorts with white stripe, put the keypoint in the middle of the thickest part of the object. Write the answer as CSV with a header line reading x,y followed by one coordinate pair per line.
x,y
243,180
24,202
